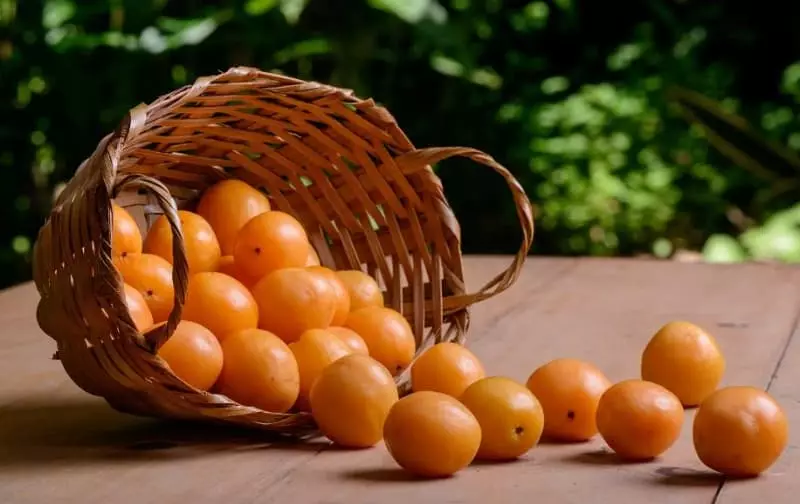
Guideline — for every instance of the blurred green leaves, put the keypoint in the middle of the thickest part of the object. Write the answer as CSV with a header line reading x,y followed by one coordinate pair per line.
x,y
410,11
57,12
578,109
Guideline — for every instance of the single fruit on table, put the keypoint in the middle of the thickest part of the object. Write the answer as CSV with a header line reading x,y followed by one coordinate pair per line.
x,y
313,258
351,339
260,370
446,367
228,266
151,275
568,390
510,417
126,238
686,360
387,334
220,303
350,401
228,206
639,420
740,431
193,354
342,296
199,241
315,350
364,291
292,301
269,242
137,307
431,434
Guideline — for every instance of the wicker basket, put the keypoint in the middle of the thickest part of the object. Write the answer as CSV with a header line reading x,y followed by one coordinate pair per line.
x,y
341,165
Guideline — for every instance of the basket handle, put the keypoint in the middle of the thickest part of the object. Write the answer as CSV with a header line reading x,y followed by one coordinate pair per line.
x,y
424,157
159,335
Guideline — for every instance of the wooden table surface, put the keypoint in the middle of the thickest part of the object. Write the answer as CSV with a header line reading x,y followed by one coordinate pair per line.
x,y
60,445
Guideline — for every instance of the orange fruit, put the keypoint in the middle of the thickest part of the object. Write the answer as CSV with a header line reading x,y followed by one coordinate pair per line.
x,y
446,367
269,242
686,360
342,296
431,434
260,370
292,301
126,238
221,303
199,241
228,266
364,291
350,401
387,334
151,275
510,417
313,258
638,419
228,206
568,390
137,307
351,339
740,431
315,350
193,354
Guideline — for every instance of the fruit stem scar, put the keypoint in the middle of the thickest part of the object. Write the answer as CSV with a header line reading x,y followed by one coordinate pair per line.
x,y
258,250
518,430
571,414
149,292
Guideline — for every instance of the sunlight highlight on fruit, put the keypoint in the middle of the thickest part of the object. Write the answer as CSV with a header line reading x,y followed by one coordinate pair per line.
x,y
193,354
568,390
638,419
351,399
227,206
686,360
260,370
510,416
740,431
220,303
446,367
387,334
294,300
431,434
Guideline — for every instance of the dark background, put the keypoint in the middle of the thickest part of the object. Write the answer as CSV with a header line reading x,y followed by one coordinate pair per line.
x,y
570,95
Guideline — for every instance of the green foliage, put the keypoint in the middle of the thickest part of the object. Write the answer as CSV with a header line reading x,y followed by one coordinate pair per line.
x,y
570,97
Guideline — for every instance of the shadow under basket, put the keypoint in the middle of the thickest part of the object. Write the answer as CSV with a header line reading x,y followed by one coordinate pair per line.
x,y
368,199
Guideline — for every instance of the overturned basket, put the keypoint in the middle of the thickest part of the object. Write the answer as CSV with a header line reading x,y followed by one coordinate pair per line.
x,y
368,199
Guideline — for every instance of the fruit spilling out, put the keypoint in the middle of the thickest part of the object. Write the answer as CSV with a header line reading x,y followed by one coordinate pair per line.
x,y
266,325
262,319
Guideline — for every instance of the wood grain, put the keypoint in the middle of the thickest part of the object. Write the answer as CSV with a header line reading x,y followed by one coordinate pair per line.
x,y
60,445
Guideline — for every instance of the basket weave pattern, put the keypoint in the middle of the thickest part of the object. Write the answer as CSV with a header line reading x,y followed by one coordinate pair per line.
x,y
368,199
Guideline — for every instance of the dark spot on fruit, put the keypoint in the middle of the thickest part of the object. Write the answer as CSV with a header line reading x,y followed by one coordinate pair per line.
x,y
518,430
258,251
149,292
571,415
124,254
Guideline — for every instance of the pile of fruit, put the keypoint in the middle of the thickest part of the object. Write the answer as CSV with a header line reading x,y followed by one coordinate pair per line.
x,y
267,326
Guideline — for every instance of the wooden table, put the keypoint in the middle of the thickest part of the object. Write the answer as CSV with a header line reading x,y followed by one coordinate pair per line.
x,y
59,445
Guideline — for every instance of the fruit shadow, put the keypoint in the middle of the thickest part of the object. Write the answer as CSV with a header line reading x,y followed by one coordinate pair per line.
x,y
386,475
686,477
601,457
88,431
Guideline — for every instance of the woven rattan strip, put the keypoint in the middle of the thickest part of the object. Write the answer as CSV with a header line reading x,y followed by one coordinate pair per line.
x,y
341,165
